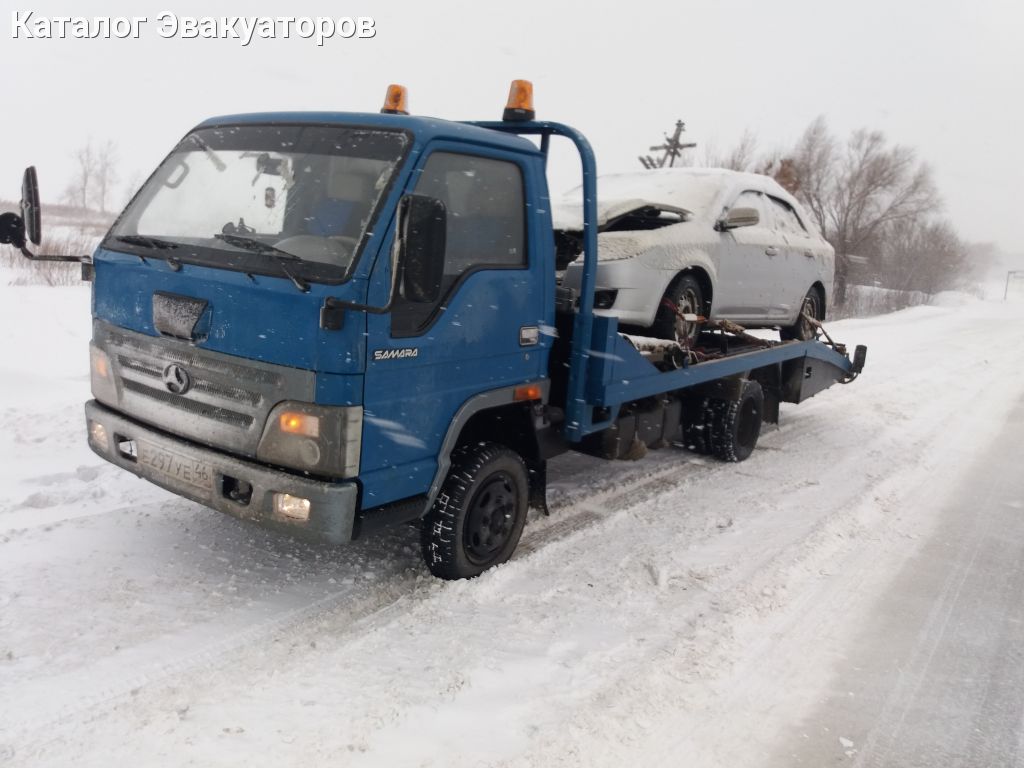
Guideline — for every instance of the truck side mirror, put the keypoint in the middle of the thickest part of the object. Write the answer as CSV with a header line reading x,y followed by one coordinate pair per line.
x,y
19,231
423,228
31,211
740,217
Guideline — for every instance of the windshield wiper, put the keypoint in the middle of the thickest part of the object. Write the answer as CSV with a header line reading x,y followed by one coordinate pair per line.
x,y
155,243
146,241
283,258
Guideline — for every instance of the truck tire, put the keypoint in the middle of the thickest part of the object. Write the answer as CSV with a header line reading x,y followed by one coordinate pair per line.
x,y
697,422
814,305
478,516
736,424
686,294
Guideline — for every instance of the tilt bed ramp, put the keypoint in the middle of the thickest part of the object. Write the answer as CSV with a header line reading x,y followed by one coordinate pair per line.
x,y
712,396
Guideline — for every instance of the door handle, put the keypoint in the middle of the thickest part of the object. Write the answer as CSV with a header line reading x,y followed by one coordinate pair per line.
x,y
771,250
809,253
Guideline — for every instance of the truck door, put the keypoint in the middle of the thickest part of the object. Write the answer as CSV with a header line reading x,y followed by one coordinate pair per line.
x,y
747,273
424,361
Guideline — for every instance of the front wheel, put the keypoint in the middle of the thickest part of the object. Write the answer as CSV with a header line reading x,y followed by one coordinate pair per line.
x,y
478,516
686,295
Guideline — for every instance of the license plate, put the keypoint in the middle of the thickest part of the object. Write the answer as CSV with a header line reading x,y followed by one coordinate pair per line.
x,y
176,466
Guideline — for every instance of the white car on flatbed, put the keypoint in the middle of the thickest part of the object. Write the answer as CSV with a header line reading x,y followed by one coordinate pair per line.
x,y
720,244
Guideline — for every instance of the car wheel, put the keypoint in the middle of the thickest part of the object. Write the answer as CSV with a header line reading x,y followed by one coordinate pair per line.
x,y
813,305
479,514
685,294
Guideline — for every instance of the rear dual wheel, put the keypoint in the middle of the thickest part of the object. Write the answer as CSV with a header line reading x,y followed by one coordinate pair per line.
x,y
727,429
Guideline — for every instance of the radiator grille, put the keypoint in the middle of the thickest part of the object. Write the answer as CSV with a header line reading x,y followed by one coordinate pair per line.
x,y
229,398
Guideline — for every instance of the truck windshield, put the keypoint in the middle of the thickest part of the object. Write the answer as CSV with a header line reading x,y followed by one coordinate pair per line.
x,y
247,197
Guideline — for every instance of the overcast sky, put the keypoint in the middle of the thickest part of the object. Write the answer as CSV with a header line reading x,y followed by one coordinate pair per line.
x,y
943,77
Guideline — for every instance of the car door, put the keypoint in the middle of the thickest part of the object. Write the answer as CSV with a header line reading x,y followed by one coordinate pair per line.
x,y
426,359
802,263
746,268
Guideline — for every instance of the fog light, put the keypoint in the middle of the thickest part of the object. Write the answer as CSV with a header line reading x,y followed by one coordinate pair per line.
x,y
294,507
98,435
605,299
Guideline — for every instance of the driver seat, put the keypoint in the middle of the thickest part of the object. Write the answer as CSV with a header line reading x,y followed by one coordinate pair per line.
x,y
342,211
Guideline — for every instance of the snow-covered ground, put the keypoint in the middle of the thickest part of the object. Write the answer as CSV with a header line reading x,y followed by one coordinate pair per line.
x,y
675,611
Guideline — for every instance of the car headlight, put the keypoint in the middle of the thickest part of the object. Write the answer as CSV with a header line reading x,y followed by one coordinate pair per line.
x,y
101,376
315,438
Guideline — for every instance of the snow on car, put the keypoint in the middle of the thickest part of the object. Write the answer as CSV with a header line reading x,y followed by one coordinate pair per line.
x,y
712,242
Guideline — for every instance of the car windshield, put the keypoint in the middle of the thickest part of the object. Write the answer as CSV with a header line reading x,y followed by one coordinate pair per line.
x,y
247,197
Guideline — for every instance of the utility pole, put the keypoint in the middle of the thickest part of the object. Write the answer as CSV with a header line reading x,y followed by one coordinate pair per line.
x,y
1014,277
671,150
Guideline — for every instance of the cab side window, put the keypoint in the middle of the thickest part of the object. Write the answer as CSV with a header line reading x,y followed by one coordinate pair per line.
x,y
486,227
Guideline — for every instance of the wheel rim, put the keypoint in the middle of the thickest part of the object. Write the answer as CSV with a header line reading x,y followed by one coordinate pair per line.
x,y
688,304
810,307
490,519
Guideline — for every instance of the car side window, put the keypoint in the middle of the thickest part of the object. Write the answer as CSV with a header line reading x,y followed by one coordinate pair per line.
x,y
787,218
755,200
486,228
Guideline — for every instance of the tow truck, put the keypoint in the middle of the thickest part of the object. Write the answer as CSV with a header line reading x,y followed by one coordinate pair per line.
x,y
330,322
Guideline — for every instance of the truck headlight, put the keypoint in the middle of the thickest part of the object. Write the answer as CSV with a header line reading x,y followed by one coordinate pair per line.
x,y
101,376
316,438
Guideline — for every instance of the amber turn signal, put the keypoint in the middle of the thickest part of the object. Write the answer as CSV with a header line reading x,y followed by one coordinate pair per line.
x,y
520,101
300,424
527,392
396,102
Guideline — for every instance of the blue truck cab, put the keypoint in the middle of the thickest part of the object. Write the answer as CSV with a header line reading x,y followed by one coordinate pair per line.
x,y
327,322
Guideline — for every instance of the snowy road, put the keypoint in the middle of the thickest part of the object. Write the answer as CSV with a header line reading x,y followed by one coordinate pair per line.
x,y
806,605
935,674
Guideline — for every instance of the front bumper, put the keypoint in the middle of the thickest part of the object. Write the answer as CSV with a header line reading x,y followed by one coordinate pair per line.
x,y
208,476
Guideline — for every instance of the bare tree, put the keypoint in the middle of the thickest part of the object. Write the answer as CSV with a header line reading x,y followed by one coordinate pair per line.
x,y
105,174
813,168
742,157
79,192
856,190
925,256
784,171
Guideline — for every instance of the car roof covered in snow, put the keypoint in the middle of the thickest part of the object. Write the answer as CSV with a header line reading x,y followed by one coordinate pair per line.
x,y
701,191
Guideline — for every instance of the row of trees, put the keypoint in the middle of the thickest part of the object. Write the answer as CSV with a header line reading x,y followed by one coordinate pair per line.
x,y
95,176
875,202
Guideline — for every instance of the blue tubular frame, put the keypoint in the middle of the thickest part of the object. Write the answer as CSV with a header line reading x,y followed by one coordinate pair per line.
x,y
579,416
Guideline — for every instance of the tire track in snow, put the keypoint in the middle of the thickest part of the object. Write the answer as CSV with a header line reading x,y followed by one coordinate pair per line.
x,y
573,513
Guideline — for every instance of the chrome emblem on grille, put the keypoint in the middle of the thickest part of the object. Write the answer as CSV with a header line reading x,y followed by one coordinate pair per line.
x,y
177,380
